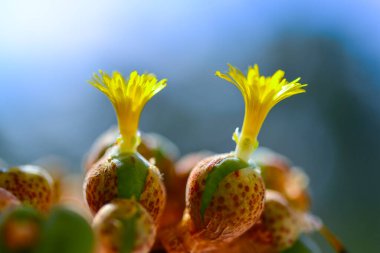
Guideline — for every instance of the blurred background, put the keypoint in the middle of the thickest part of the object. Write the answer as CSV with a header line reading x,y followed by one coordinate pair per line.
x,y
50,48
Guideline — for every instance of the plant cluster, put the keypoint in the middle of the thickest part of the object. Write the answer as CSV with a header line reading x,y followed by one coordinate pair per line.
x,y
140,198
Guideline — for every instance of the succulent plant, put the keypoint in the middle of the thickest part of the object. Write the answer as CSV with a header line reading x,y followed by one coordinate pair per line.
x,y
122,172
57,168
280,175
274,167
153,147
296,190
224,197
32,185
278,228
225,193
292,182
124,226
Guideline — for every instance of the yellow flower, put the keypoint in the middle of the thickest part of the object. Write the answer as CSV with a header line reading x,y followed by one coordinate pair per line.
x,y
260,94
128,97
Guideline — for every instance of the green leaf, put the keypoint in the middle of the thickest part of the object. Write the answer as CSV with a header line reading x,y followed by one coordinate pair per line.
x,y
132,170
66,232
218,173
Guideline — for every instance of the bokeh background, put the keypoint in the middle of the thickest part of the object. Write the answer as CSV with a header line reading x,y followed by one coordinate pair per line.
x,y
50,48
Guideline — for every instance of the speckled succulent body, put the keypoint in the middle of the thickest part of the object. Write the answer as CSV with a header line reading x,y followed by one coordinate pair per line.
x,y
102,185
222,205
153,197
274,177
122,172
32,185
149,148
279,175
296,190
124,226
278,228
235,206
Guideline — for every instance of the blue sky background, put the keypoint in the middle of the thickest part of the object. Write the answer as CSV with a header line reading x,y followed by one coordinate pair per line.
x,y
48,49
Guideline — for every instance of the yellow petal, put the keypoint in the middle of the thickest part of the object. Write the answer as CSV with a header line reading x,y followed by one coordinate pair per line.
x,y
128,97
260,95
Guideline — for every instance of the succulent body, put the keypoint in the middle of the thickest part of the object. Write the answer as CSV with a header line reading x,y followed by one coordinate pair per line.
x,y
127,176
278,228
32,185
225,193
57,169
276,231
296,190
122,173
124,226
292,183
225,197
153,146
279,175
274,168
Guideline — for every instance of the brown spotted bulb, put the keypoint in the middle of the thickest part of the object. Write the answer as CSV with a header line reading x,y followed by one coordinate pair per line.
x,y
124,226
125,176
274,168
56,167
279,175
224,198
152,146
296,190
32,185
278,228
7,200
